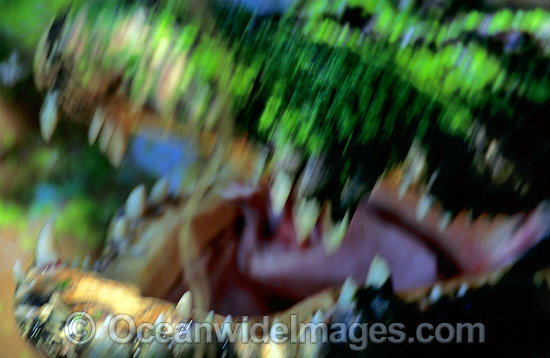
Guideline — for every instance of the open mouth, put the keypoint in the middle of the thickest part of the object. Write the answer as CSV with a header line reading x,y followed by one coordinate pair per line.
x,y
255,262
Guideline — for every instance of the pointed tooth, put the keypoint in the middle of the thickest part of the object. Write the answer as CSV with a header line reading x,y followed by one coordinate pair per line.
x,y
379,273
318,317
444,221
462,290
280,190
18,272
403,187
305,216
423,208
46,252
120,229
95,126
185,306
117,146
347,293
86,263
159,193
334,233
76,263
49,116
135,205
436,293
209,317
106,135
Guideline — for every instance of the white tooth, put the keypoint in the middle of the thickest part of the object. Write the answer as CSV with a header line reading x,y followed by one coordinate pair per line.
x,y
305,217
280,190
49,116
405,183
423,208
76,263
120,230
106,135
379,273
436,293
209,317
347,293
318,317
95,126
18,272
185,306
135,205
159,193
444,221
46,252
117,146
334,233
462,290
86,263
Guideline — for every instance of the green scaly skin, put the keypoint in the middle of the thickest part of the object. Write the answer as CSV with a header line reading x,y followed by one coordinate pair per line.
x,y
351,86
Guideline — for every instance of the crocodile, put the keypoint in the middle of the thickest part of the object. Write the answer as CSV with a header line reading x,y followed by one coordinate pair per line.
x,y
306,114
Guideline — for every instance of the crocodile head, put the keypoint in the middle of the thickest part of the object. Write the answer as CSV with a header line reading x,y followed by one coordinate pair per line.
x,y
427,136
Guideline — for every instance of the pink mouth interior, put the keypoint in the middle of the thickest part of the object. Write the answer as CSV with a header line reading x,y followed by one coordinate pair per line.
x,y
266,269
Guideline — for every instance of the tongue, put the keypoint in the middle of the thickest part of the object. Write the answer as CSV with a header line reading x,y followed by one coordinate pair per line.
x,y
387,226
261,264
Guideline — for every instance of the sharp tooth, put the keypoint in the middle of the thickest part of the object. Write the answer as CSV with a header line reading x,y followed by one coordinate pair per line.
x,y
379,273
444,221
46,252
347,293
49,116
318,317
462,290
86,263
404,186
95,126
106,135
305,217
159,193
135,205
209,317
120,230
185,306
423,208
334,233
18,272
117,146
436,293
280,190
76,263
